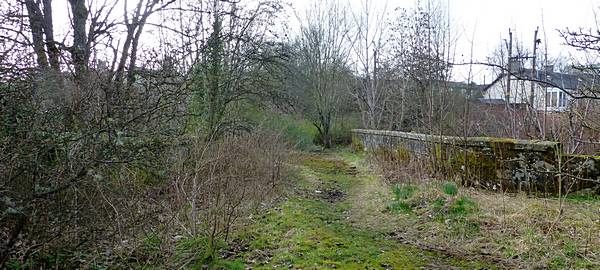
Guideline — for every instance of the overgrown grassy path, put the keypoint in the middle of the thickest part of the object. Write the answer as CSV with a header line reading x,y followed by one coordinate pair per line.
x,y
328,222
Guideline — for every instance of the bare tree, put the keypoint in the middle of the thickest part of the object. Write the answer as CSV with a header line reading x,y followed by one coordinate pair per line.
x,y
70,121
324,54
92,123
423,46
368,48
584,118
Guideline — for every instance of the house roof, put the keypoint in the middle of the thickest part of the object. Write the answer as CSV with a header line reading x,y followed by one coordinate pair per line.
x,y
560,80
547,79
464,85
487,86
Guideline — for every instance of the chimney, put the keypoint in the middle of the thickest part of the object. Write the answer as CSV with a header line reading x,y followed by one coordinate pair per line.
x,y
516,66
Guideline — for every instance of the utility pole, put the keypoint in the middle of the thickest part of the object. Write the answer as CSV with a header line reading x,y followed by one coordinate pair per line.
x,y
545,87
509,69
374,118
533,112
512,117
533,74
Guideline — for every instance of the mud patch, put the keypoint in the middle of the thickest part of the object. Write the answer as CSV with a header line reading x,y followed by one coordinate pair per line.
x,y
328,195
322,194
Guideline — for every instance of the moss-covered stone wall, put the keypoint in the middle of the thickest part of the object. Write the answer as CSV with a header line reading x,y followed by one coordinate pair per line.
x,y
493,163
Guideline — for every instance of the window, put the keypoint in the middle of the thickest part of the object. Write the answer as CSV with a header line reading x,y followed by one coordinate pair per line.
x,y
556,99
562,101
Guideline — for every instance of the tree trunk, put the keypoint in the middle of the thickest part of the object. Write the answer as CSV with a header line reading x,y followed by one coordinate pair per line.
x,y
36,22
53,52
79,51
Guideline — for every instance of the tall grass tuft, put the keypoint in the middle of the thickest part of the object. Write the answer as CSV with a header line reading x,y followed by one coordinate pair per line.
x,y
450,188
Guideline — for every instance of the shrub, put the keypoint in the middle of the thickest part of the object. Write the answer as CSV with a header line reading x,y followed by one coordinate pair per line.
x,y
356,145
67,164
219,182
296,131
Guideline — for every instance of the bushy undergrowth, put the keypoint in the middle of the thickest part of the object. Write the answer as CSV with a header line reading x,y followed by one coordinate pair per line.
x,y
302,133
168,216
341,132
295,130
398,165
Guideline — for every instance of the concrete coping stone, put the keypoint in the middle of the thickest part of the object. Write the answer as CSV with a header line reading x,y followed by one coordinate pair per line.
x,y
483,142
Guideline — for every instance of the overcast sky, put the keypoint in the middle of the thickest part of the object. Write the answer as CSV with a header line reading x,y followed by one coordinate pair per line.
x,y
490,20
486,22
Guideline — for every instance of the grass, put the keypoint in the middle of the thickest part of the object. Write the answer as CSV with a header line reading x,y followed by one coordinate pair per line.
x,y
308,232
450,188
403,192
446,214
462,207
428,224
404,207
583,197
519,230
327,166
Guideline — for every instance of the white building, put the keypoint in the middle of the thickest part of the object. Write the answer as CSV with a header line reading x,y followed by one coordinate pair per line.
x,y
550,89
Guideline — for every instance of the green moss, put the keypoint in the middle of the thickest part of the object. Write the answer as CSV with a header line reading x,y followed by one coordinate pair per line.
x,y
230,265
577,156
328,166
472,166
333,174
357,145
304,233
308,234
495,140
349,156
398,155
504,148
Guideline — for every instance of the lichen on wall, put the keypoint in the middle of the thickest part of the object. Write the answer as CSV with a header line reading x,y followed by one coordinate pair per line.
x,y
491,163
